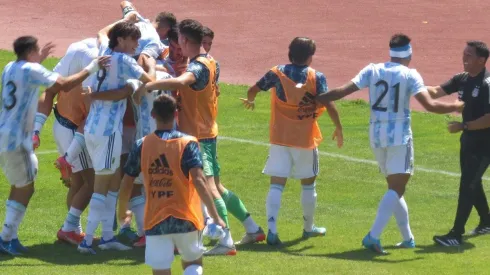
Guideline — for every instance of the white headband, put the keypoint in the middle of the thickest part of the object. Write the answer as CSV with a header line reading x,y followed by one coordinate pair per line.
x,y
401,52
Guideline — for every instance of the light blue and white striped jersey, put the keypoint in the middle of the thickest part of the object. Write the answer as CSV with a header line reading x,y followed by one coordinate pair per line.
x,y
390,87
149,43
78,55
105,117
20,91
145,123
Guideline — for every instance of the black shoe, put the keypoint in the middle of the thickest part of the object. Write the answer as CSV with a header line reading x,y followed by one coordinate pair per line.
x,y
450,239
481,229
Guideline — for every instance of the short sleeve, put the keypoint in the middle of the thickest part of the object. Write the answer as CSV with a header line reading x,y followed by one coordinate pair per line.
x,y
201,73
416,83
452,85
153,49
321,83
133,164
361,80
191,158
268,81
133,70
42,76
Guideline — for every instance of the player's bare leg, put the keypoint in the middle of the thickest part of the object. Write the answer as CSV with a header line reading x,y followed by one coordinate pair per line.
x,y
308,202
236,207
391,203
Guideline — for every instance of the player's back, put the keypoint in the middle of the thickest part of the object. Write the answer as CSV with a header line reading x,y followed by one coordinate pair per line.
x,y
20,88
390,87
150,40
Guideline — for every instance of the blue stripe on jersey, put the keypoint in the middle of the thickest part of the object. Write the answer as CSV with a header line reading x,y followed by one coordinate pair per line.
x,y
12,139
94,116
145,118
109,127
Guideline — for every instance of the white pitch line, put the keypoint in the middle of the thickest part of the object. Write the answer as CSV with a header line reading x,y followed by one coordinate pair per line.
x,y
351,159
332,155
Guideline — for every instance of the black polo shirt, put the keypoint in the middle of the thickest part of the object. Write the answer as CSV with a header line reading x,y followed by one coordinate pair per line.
x,y
475,93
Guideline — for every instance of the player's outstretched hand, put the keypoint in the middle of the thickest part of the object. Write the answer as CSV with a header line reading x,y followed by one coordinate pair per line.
x,y
248,104
104,61
339,136
454,127
47,50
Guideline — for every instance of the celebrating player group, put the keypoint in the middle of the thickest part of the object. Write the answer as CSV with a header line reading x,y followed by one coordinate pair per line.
x,y
136,131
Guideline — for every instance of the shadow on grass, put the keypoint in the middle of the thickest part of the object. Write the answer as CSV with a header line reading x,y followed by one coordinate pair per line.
x,y
64,254
354,255
435,248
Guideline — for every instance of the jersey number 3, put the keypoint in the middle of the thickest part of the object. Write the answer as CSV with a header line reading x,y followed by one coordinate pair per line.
x,y
11,100
384,84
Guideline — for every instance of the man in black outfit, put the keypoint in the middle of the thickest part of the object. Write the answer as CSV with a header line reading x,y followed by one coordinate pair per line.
x,y
473,89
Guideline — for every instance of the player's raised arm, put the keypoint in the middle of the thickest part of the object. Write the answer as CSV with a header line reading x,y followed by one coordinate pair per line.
x,y
68,83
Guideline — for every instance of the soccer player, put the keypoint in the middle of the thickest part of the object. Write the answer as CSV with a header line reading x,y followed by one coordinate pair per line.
x,y
391,85
175,63
21,80
145,125
198,118
294,110
473,88
170,162
103,127
207,40
74,163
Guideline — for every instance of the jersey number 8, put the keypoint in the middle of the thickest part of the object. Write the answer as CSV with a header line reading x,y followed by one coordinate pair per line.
x,y
383,83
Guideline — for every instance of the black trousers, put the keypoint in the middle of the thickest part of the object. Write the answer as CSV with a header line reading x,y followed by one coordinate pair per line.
x,y
474,161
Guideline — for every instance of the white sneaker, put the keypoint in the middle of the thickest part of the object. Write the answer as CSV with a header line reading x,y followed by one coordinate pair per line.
x,y
113,244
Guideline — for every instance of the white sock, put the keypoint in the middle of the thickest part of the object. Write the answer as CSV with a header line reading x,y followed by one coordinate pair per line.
x,y
308,201
137,206
72,221
13,218
39,122
385,210
205,213
193,270
110,211
19,219
250,225
226,240
95,216
273,203
75,148
401,215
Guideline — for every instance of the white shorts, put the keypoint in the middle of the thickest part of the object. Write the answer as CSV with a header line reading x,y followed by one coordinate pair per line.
x,y
290,162
19,166
159,253
128,138
64,137
395,159
105,152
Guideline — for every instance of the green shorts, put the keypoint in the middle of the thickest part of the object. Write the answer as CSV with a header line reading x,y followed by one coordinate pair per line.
x,y
209,154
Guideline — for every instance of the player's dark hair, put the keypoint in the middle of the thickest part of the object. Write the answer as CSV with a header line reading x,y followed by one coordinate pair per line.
x,y
164,108
480,48
192,30
173,34
208,32
124,30
24,45
166,18
399,40
300,49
